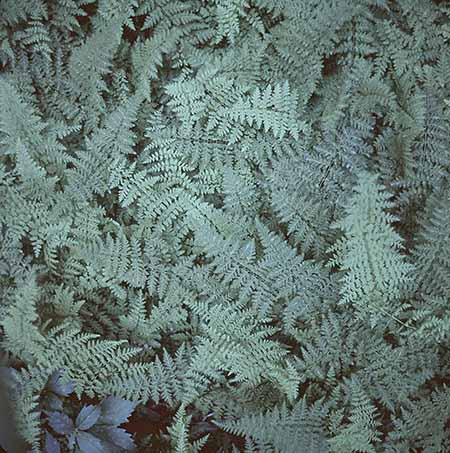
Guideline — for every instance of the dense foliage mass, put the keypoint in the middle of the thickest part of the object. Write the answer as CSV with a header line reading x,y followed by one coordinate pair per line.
x,y
225,225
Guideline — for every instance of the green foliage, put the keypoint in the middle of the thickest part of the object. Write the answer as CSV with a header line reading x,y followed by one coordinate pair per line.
x,y
375,271
360,434
228,218
298,429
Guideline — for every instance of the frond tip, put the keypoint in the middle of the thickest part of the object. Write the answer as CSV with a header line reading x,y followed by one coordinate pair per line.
x,y
369,253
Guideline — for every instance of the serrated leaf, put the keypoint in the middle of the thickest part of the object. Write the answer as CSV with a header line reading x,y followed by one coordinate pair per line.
x,y
117,436
51,444
88,417
116,411
88,443
60,422
53,403
58,385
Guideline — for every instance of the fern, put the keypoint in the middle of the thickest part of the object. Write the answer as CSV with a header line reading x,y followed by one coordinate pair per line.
x,y
282,429
361,433
281,104
369,253
231,213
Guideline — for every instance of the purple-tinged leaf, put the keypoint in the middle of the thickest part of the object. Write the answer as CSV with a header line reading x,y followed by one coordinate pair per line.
x,y
59,385
53,403
116,411
51,444
87,443
60,422
88,417
117,436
